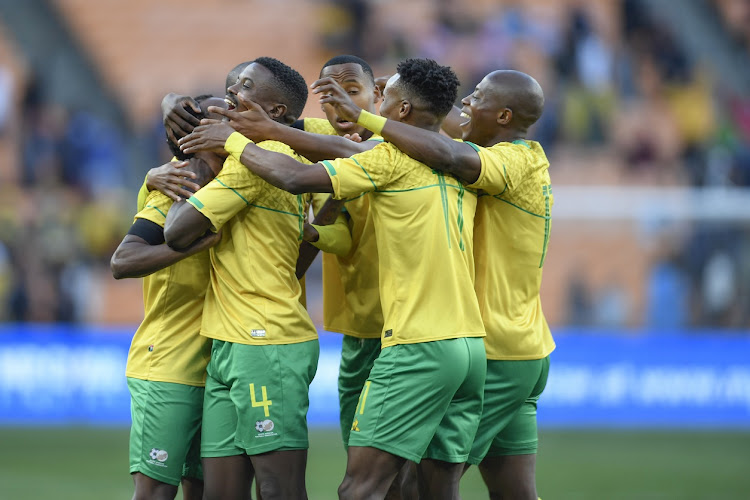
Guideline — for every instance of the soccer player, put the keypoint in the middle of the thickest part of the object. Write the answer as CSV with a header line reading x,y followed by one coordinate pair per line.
x,y
265,347
351,302
166,367
423,397
510,243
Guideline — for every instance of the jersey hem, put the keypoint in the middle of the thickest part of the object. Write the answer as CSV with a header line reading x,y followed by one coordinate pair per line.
x,y
350,333
523,357
265,342
165,379
435,339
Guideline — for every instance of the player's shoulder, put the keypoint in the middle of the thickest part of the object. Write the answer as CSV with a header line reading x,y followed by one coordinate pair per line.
x,y
157,199
319,126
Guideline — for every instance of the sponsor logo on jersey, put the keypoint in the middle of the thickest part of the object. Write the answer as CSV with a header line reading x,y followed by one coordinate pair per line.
x,y
257,333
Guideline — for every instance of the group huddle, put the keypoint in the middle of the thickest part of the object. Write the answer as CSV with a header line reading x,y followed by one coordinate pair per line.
x,y
434,223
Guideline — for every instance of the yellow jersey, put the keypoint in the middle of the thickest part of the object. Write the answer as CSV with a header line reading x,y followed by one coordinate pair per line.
x,y
168,347
511,235
423,224
254,295
351,297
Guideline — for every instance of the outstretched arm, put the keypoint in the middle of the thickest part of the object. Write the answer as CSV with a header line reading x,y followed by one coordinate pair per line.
x,y
143,251
256,125
184,226
278,169
431,148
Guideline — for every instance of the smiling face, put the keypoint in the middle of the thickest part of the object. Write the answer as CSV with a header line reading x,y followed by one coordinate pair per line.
x,y
360,88
255,83
481,109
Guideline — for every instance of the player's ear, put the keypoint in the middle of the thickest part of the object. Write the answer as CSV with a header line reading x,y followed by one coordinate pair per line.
x,y
404,109
377,95
504,116
277,111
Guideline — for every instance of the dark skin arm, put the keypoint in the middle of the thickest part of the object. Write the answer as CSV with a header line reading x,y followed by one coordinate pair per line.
x,y
184,225
277,169
431,148
257,126
307,252
135,258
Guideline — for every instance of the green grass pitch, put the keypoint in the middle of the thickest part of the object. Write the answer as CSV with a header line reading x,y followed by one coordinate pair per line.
x,y
91,464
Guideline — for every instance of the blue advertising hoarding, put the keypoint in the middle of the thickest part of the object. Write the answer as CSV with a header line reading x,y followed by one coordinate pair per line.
x,y
57,375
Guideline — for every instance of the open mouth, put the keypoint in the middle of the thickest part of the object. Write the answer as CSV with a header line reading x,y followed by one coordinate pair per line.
x,y
345,124
230,103
465,116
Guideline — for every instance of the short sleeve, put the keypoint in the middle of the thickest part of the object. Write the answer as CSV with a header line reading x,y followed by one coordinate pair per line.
x,y
361,173
142,195
155,208
232,190
504,165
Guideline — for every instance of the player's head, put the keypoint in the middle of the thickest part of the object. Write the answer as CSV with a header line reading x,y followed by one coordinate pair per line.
x,y
358,80
421,91
504,103
280,90
234,74
204,101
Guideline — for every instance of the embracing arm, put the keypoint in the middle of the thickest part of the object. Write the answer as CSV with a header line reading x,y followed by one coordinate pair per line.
x,y
431,148
338,241
184,226
256,125
136,257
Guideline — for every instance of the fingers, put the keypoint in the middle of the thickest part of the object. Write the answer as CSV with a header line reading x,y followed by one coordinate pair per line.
x,y
170,194
250,105
318,83
210,121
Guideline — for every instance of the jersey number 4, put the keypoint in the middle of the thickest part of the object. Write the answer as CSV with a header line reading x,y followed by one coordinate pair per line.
x,y
265,402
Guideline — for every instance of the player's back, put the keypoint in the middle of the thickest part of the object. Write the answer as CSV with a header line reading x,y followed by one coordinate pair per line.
x,y
167,346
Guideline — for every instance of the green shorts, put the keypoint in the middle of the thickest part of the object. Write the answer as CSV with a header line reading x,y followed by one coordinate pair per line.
x,y
511,392
357,357
165,434
257,398
423,400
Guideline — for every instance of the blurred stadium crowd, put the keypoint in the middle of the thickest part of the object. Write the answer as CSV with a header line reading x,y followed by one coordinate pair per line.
x,y
629,103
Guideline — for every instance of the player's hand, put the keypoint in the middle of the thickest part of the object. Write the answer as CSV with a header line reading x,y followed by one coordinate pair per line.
x,y
355,137
178,122
172,180
332,93
210,135
254,123
206,241
309,233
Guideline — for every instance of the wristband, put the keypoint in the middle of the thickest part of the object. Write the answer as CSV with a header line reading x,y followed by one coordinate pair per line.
x,y
235,145
373,123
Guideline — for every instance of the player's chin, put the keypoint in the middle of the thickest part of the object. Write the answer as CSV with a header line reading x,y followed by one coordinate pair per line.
x,y
343,127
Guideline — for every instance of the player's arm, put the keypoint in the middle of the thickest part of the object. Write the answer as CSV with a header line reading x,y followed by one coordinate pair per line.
x,y
277,169
329,232
185,224
431,148
256,125
143,251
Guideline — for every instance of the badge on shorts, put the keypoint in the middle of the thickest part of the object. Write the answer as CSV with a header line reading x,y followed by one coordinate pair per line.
x,y
257,333
158,457
265,428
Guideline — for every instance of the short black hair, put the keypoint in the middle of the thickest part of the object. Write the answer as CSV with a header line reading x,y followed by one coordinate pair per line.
x,y
434,85
290,85
174,148
349,59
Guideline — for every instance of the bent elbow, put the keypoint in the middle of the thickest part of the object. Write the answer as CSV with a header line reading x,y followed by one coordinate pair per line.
x,y
116,266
